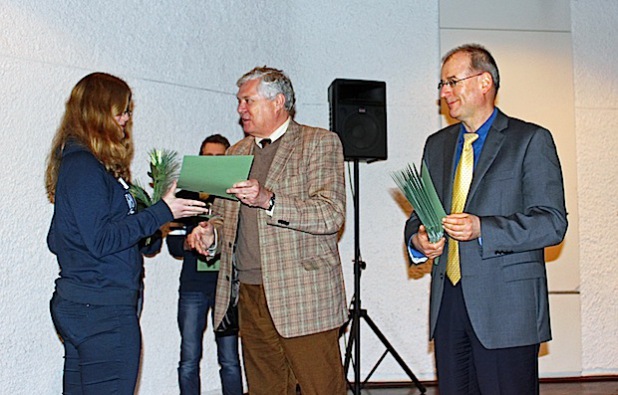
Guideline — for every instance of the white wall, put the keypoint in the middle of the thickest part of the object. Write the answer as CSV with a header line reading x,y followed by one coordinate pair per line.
x,y
182,60
595,39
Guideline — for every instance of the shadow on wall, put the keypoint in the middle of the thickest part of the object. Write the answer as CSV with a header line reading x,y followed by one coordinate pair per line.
x,y
415,272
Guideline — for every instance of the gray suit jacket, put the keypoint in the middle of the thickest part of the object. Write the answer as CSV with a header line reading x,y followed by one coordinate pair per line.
x,y
517,191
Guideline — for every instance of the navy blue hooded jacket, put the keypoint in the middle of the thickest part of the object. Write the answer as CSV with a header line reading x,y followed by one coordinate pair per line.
x,y
95,232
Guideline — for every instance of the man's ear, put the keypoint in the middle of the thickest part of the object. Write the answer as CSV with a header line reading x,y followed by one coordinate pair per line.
x,y
280,101
486,82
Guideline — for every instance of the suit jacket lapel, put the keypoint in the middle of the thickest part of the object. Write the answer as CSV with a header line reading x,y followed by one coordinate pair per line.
x,y
243,147
493,143
289,144
448,172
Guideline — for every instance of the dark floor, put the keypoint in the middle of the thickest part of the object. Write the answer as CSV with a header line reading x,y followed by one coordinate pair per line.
x,y
570,388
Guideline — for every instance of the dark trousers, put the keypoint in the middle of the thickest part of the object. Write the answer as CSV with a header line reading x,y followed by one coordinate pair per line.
x,y
465,367
101,347
193,308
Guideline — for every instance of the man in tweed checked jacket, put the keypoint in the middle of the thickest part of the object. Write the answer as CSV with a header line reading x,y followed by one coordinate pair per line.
x,y
281,236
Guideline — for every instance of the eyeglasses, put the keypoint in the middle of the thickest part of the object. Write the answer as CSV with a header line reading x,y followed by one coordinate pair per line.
x,y
127,111
453,82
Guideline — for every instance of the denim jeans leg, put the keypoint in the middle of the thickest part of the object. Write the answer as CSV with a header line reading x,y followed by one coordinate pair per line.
x,y
102,347
110,356
192,312
72,377
229,362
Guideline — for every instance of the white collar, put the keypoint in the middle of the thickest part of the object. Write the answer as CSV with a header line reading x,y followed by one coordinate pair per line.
x,y
274,136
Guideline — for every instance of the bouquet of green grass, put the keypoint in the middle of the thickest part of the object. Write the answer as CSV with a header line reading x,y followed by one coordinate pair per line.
x,y
418,188
164,168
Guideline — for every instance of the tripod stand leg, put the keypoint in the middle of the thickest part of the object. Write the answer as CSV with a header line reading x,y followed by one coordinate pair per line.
x,y
352,345
390,349
357,312
348,348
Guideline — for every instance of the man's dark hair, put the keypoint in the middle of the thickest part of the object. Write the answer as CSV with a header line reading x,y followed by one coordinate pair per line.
x,y
216,139
480,60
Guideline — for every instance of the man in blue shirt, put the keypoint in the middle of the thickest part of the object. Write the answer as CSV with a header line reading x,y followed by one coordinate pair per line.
x,y
489,307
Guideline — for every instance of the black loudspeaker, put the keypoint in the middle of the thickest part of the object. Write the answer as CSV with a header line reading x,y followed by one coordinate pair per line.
x,y
358,116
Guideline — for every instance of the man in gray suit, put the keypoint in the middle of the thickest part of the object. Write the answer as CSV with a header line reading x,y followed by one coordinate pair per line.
x,y
489,315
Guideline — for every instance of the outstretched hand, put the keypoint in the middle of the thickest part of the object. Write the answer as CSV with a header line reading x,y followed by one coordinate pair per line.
x,y
202,237
181,208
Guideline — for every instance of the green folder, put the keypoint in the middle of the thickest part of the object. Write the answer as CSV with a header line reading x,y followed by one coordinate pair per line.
x,y
419,190
204,266
214,174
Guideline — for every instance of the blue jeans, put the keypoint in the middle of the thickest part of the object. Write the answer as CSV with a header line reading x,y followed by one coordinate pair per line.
x,y
101,347
193,310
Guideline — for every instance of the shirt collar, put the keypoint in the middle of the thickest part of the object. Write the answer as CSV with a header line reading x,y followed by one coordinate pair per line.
x,y
483,130
274,136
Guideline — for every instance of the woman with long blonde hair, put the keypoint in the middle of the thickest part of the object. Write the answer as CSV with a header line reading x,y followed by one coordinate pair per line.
x,y
95,233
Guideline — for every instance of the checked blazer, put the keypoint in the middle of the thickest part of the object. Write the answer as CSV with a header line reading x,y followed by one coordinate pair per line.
x,y
301,268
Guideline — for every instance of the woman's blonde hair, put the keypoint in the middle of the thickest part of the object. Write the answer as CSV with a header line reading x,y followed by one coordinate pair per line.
x,y
89,120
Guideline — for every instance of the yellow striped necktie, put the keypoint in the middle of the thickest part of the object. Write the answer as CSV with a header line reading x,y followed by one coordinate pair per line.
x,y
461,186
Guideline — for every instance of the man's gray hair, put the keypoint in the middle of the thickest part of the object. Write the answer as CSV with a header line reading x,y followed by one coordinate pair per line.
x,y
272,82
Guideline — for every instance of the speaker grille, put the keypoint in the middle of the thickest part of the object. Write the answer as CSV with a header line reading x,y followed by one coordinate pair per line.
x,y
358,116
362,131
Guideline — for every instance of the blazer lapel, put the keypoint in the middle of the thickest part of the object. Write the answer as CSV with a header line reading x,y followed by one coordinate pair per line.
x,y
243,147
493,143
288,146
448,172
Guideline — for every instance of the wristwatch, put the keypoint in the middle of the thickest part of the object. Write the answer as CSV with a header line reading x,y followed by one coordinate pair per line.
x,y
271,203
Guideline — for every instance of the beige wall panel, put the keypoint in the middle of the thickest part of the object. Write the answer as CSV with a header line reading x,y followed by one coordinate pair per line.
x,y
542,15
562,356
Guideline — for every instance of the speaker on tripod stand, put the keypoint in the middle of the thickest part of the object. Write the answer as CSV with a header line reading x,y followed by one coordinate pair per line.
x,y
358,116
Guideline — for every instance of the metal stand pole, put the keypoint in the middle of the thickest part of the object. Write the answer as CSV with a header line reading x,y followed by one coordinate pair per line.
x,y
356,312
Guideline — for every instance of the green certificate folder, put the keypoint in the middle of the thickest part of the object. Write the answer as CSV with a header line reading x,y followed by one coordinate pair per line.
x,y
214,174
204,266
418,188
